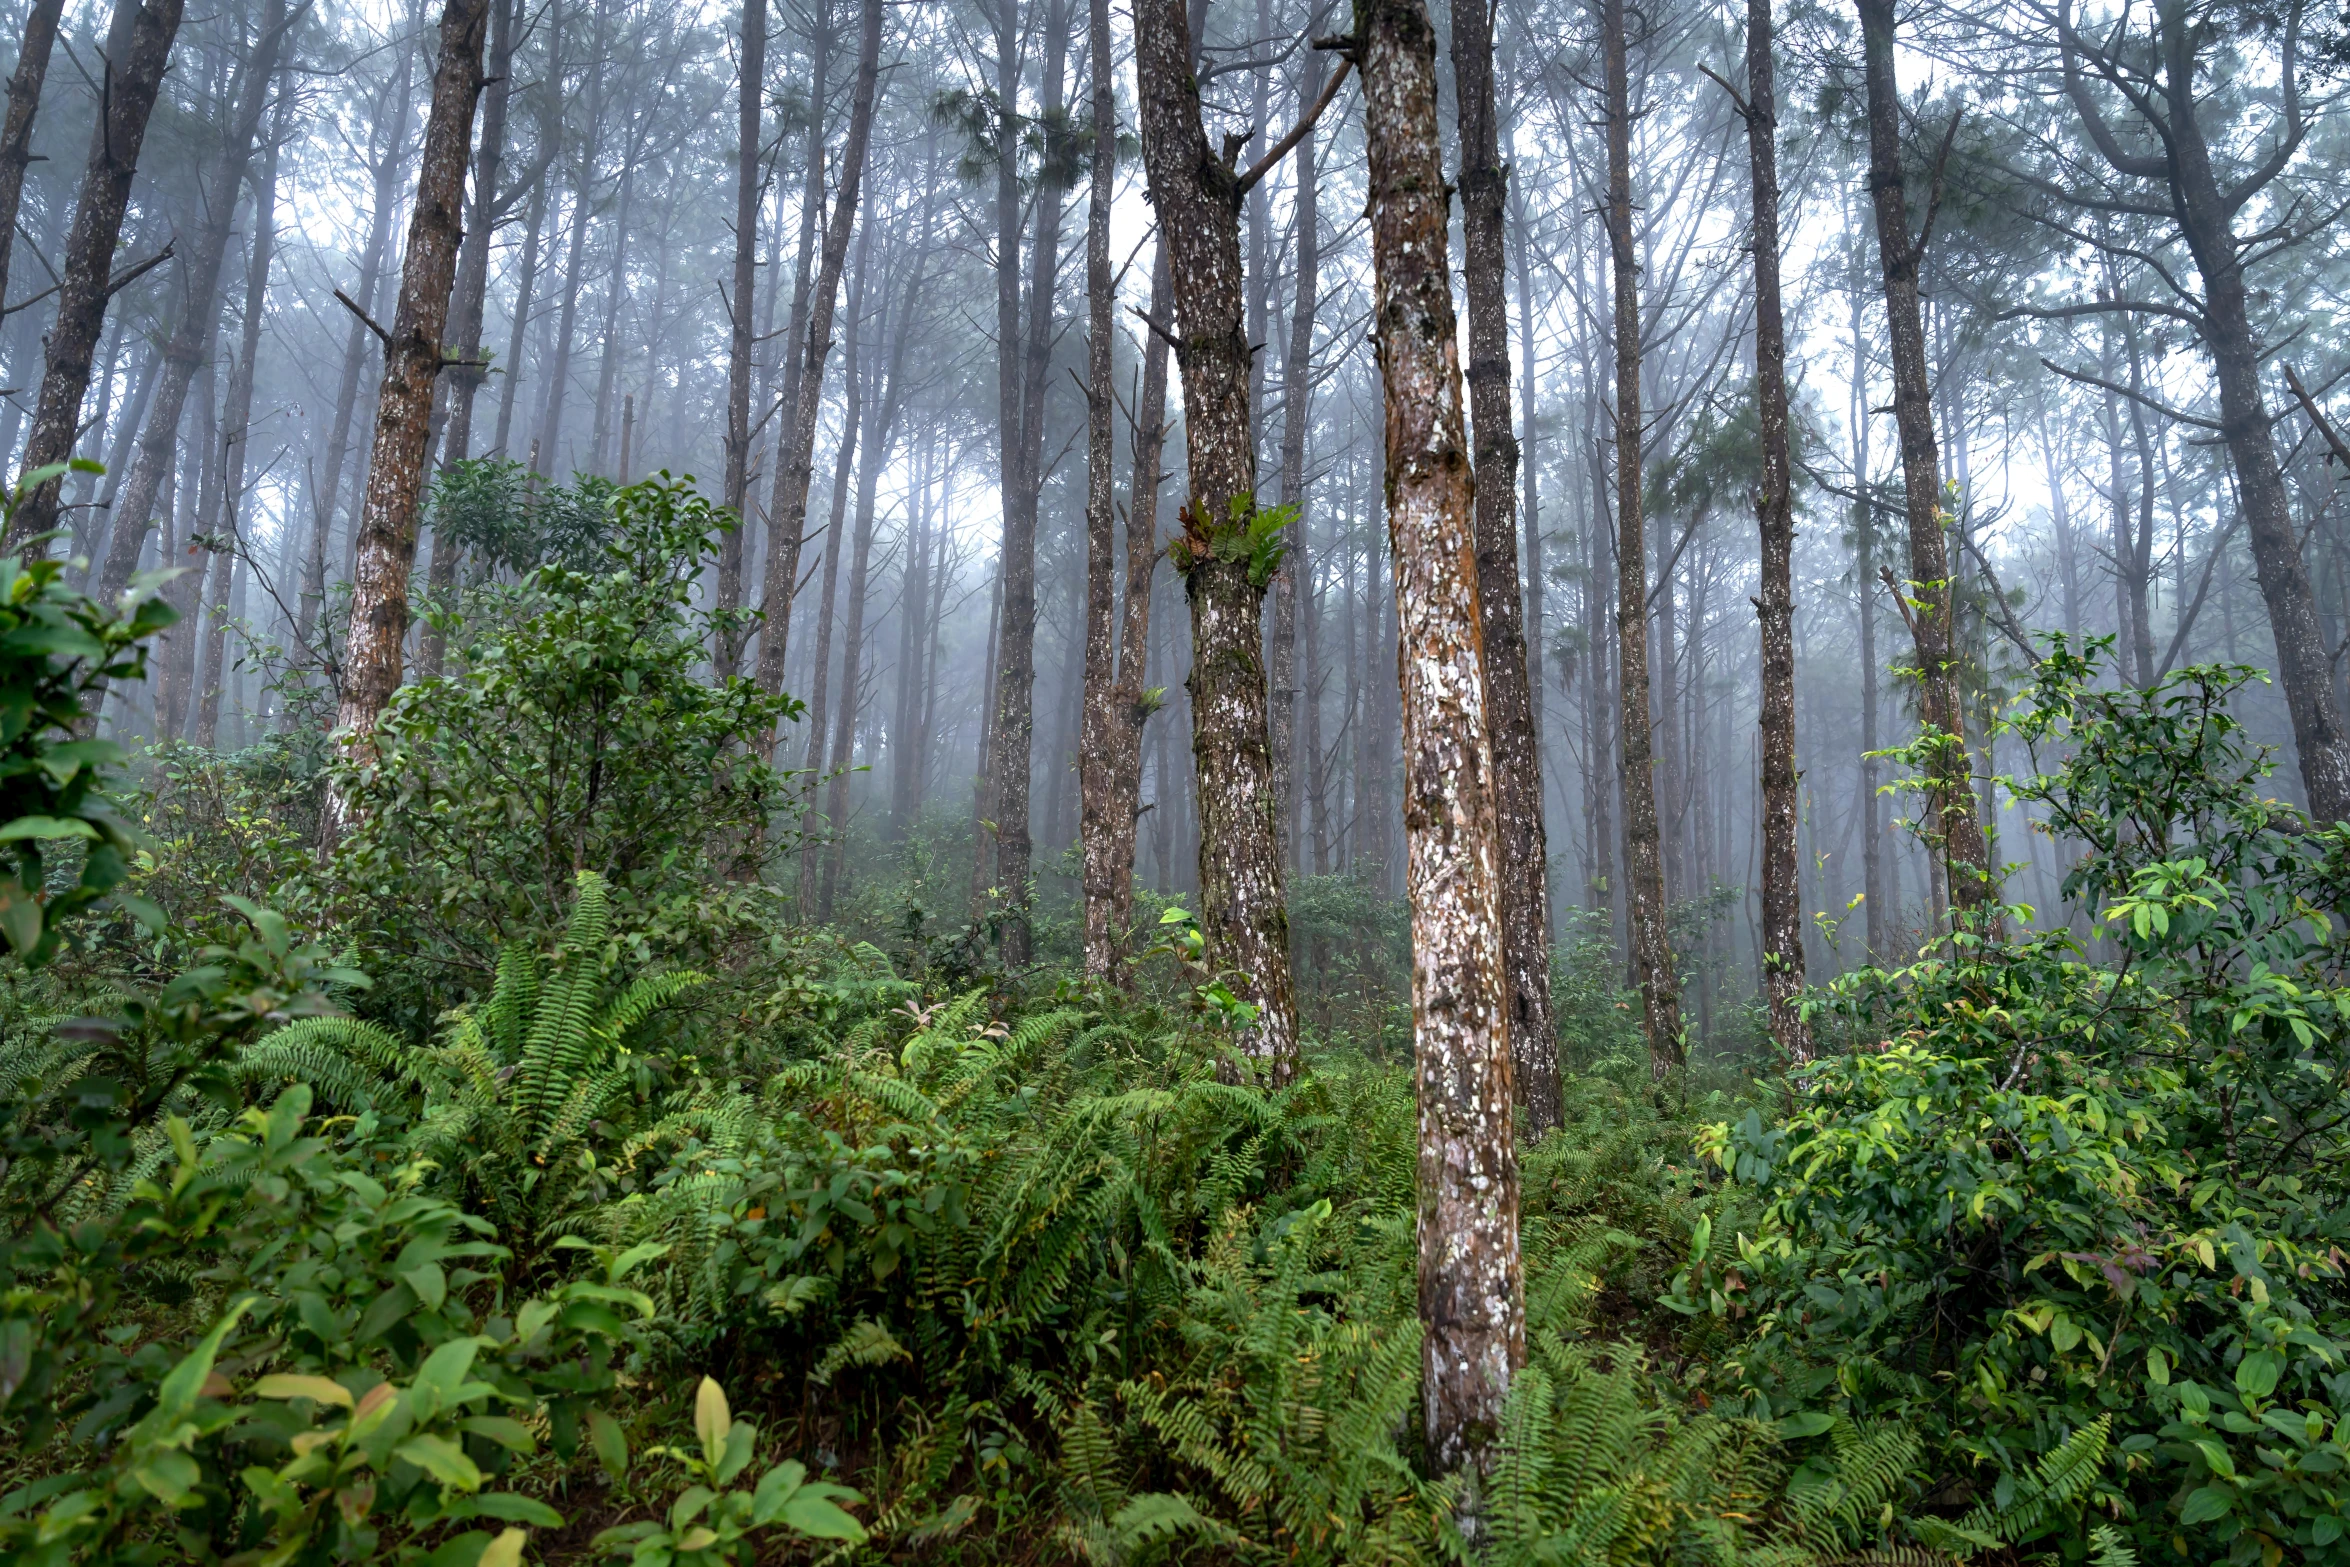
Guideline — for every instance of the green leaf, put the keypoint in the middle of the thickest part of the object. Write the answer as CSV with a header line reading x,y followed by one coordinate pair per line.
x,y
508,1508
1808,1422
442,1376
2206,1503
2216,1456
2257,1373
817,1516
441,1458
610,1442
46,827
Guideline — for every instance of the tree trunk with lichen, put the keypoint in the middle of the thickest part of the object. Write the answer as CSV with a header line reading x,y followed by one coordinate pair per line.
x,y
1472,1304
1224,554
1644,875
1096,753
1774,510
1517,753
1964,851
403,418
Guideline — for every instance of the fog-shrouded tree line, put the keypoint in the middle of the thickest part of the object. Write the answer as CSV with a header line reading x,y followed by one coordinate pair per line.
x,y
1500,485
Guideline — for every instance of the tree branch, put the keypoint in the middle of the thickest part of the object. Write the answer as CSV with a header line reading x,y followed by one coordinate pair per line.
x,y
1297,133
365,319
2164,409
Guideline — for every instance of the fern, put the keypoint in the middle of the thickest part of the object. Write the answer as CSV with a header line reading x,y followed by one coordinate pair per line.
x,y
2036,1501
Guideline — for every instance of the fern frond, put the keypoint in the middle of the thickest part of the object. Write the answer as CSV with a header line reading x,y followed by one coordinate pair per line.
x,y
343,1059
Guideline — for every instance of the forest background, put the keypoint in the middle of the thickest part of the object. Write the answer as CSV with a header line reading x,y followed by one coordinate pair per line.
x,y
518,950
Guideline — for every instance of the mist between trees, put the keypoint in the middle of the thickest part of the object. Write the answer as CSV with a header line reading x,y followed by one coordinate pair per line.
x,y
1564,564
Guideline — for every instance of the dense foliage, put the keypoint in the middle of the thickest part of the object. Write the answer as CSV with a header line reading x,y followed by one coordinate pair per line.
x,y
559,1196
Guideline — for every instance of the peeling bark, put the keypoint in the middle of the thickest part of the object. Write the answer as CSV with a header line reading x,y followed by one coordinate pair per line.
x,y
1472,1304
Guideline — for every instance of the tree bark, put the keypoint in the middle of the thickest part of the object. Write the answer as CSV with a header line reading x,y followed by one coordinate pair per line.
x,y
1876,886
412,361
1132,703
24,101
1958,831
1774,511
1517,751
236,433
791,513
133,76
795,330
469,304
1224,556
1104,942
1644,877
819,715
1472,1298
739,355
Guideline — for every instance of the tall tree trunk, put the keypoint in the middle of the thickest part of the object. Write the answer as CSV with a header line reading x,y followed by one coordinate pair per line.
x,y
1876,885
236,433
852,429
192,336
1644,876
880,436
2140,547
1096,755
803,283
1537,587
1928,598
469,304
1472,1298
790,515
16,133
907,756
1132,704
1517,751
1297,401
141,47
739,352
392,121
1225,556
412,360
533,232
1774,511
1015,693
194,505
2206,211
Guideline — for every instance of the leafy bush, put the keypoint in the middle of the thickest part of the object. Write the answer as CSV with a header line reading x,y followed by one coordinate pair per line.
x,y
576,735
2064,1198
